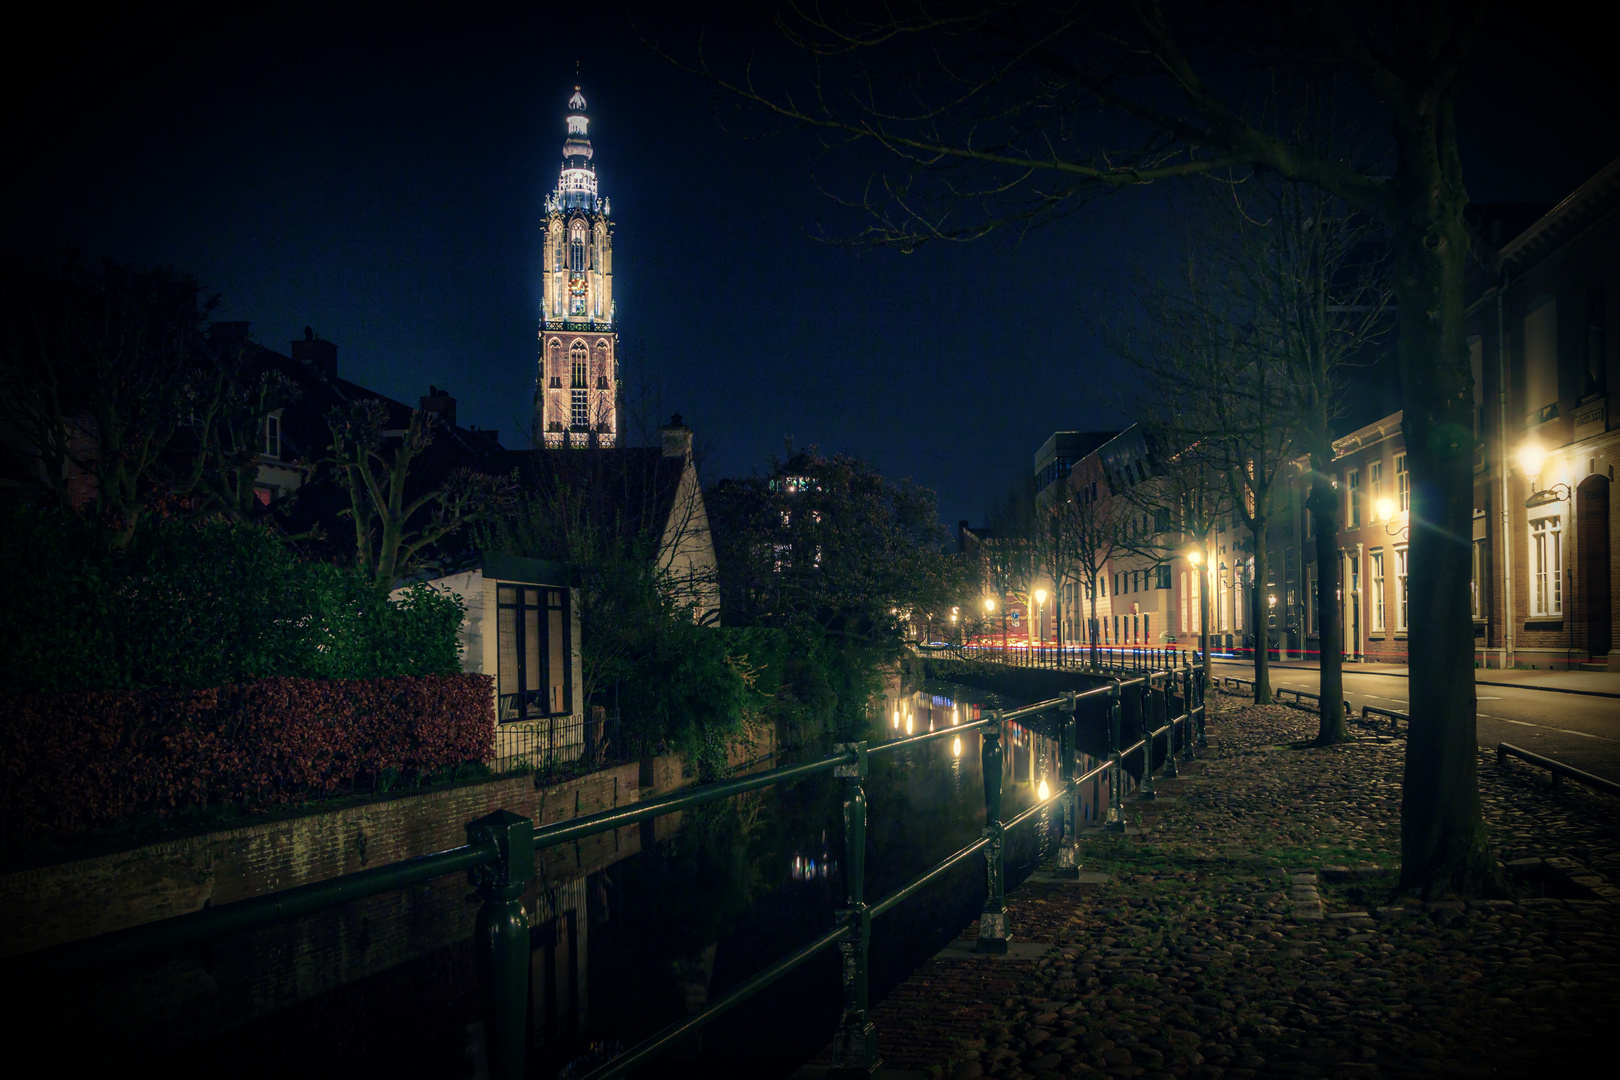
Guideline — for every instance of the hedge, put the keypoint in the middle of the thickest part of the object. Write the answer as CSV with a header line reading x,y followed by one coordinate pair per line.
x,y
78,761
195,605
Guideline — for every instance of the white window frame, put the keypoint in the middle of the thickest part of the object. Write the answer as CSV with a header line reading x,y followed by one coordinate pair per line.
x,y
1375,480
1375,578
1546,553
1403,484
272,435
1402,574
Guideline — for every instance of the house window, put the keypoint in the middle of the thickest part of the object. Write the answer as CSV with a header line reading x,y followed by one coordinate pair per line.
x,y
1400,588
1403,483
1352,483
1476,581
272,436
581,418
1541,362
1375,575
1547,566
1163,573
1375,476
532,652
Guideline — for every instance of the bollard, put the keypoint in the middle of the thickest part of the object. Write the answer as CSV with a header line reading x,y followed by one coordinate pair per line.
x,y
1144,705
993,931
501,938
1068,861
1187,729
855,1047
1170,771
1115,820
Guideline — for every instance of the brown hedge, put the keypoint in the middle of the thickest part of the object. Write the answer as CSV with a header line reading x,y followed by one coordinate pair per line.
x,y
70,762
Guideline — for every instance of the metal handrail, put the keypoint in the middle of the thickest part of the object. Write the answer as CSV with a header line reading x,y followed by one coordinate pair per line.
x,y
1558,769
212,923
499,861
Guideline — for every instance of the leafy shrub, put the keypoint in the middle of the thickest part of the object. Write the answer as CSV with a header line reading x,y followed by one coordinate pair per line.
x,y
70,762
191,606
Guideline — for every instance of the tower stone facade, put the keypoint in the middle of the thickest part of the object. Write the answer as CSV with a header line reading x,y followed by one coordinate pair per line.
x,y
576,390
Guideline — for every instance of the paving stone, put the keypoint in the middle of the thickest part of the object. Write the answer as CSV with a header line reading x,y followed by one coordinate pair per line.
x,y
1193,958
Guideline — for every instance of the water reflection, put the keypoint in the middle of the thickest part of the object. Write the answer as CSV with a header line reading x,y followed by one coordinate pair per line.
x,y
679,911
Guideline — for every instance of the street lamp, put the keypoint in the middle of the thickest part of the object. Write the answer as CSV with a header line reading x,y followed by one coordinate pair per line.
x,y
1040,620
1531,458
1386,510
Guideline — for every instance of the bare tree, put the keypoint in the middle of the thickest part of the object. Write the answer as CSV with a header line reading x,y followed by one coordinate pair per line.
x,y
1093,526
396,516
986,113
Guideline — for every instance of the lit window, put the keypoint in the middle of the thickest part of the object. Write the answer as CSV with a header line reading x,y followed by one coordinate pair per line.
x,y
1375,477
1352,483
1400,588
577,354
581,417
1476,581
1375,575
1547,566
1403,483
576,252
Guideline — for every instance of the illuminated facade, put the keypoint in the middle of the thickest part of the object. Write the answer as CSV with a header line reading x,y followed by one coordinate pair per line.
x,y
577,385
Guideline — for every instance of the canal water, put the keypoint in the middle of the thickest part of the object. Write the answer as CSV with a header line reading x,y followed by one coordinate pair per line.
x,y
699,907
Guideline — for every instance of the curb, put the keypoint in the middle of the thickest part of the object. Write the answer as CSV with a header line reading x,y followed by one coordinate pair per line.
x,y
1348,670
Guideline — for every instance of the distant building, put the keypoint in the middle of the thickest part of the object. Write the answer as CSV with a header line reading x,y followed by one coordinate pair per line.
x,y
576,389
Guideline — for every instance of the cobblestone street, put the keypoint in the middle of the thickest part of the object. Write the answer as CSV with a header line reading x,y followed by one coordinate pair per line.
x,y
1247,926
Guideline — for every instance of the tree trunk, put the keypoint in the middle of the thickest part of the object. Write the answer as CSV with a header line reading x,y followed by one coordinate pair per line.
x,y
1260,613
1324,502
1442,835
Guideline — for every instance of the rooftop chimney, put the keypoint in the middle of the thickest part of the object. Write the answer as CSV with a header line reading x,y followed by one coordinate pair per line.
x,y
677,438
440,402
321,355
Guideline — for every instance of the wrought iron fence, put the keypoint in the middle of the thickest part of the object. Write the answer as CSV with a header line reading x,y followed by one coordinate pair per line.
x,y
499,860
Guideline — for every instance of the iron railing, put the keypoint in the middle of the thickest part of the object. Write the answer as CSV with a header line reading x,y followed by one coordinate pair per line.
x,y
1557,768
499,858
1133,659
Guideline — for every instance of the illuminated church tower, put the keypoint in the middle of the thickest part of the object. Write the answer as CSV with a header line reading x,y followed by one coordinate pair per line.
x,y
576,390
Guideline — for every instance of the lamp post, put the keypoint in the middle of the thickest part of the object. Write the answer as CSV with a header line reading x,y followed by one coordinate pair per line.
x,y
989,609
1040,616
1196,557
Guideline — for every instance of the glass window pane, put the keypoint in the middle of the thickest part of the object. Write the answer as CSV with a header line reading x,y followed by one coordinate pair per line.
x,y
532,671
507,650
558,695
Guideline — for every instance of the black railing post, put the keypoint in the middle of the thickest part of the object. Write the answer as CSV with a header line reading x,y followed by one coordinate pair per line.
x,y
1147,792
1187,679
855,1048
1199,690
1170,719
993,920
1068,860
1115,821
501,938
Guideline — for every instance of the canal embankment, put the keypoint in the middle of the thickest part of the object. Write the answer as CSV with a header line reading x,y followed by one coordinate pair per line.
x,y
1247,924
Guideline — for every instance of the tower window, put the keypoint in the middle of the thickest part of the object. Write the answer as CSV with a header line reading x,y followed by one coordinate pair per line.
x,y
576,252
577,355
581,410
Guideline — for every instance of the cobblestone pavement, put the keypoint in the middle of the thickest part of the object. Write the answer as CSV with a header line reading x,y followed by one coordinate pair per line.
x,y
1250,928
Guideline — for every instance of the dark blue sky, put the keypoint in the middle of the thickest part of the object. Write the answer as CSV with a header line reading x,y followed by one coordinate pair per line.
x,y
382,181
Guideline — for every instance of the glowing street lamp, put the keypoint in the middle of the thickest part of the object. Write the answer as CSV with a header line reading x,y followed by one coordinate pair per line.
x,y
1040,621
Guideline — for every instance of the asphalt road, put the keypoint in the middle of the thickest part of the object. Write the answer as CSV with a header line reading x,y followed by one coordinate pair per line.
x,y
1577,729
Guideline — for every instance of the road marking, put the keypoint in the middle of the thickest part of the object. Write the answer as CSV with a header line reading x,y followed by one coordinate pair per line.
x,y
1543,727
1479,698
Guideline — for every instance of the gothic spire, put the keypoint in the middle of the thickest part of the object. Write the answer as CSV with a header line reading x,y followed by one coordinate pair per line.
x,y
576,186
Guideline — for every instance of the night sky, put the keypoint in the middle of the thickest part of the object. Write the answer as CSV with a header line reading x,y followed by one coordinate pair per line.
x,y
382,180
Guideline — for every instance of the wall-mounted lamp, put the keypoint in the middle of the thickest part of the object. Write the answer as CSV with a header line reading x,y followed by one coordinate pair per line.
x,y
1531,458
